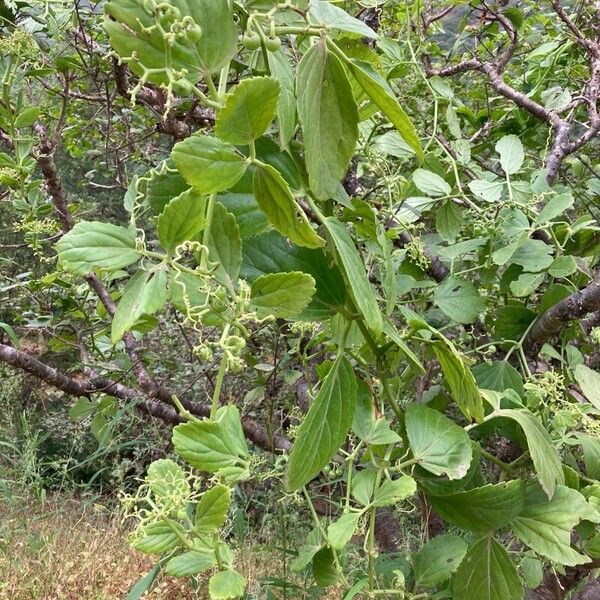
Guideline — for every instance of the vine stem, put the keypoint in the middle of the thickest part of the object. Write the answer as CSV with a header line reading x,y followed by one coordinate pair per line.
x,y
214,407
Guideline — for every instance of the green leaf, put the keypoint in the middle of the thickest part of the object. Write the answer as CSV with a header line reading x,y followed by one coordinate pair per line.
x,y
159,186
323,568
435,562
393,491
460,380
338,19
543,453
341,531
381,94
211,510
275,199
307,551
589,382
225,246
325,426
498,376
208,164
143,584
448,221
526,284
205,445
248,111
182,218
27,117
283,295
545,525
328,117
250,219
459,299
591,454
533,256
430,183
351,264
482,509
272,253
512,322
82,409
132,33
226,584
490,191
533,572
438,445
189,563
511,153
166,478
563,266
556,206
487,573
94,245
145,294
281,70
159,538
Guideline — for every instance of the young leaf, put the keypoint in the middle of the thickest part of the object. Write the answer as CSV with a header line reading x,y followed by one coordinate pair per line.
x,y
145,294
393,491
482,509
546,525
438,445
545,457
435,562
511,153
275,199
226,584
248,111
283,295
189,563
325,426
182,218
94,245
211,510
225,246
159,538
328,116
351,264
208,164
341,531
459,299
487,573
381,94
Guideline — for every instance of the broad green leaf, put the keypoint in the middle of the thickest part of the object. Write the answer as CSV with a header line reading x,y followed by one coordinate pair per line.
x,y
205,445
281,70
248,111
143,584
250,219
82,409
27,117
393,144
430,183
328,117
459,299
511,154
160,185
482,509
275,199
158,538
381,94
555,207
225,246
272,253
591,454
490,191
94,245
512,322
526,284
363,485
341,531
460,380
393,491
211,510
533,256
305,555
438,445
448,221
543,453
208,164
226,584
498,376
435,562
487,573
351,264
283,295
533,572
229,417
189,563
546,525
589,382
135,38
145,294
392,333
323,568
338,19
325,426
563,266
182,218
368,426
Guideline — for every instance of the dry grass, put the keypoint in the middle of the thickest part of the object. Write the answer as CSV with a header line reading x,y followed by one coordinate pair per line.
x,y
65,550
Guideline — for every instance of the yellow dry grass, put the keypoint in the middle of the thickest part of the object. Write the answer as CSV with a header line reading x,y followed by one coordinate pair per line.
x,y
67,550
